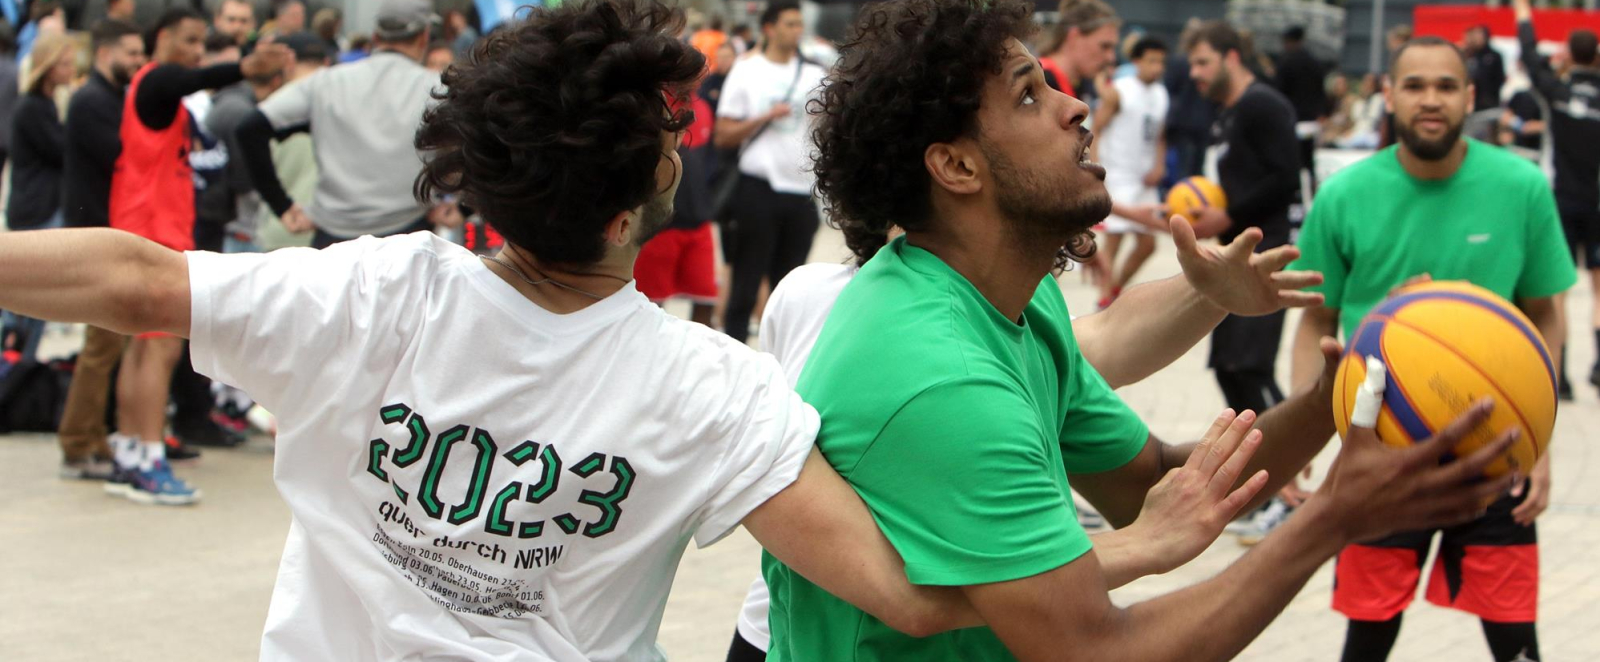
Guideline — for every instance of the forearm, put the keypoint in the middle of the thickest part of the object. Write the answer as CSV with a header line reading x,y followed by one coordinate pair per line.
x,y
821,529
1305,357
731,133
254,138
1216,619
163,89
1146,329
108,278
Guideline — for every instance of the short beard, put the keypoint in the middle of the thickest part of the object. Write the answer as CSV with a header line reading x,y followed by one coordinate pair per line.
x,y
1220,87
1038,215
655,216
1429,150
121,77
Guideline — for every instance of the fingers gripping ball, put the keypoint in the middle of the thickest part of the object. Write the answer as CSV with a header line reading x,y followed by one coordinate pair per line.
x,y
1446,345
1192,194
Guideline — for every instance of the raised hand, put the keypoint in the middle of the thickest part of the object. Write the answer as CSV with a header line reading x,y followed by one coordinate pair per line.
x,y
1239,280
1186,511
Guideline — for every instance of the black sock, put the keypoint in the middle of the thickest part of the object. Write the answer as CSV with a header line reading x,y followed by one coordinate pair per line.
x,y
1510,642
1597,347
1370,641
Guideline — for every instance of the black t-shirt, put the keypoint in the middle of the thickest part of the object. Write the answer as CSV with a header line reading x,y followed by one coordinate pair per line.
x,y
1488,74
1300,78
1526,108
1258,161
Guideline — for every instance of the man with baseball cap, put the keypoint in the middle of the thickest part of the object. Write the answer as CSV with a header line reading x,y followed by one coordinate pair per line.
x,y
355,113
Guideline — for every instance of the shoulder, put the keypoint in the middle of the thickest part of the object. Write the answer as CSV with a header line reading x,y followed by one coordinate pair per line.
x,y
812,278
1506,166
1263,99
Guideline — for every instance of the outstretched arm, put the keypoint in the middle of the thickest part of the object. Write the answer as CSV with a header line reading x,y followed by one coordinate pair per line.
x,y
1151,325
108,278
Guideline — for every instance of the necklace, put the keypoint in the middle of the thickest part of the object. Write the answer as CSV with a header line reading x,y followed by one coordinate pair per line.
x,y
547,280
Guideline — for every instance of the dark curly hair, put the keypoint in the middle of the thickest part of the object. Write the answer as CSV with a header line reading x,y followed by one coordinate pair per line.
x,y
910,75
554,126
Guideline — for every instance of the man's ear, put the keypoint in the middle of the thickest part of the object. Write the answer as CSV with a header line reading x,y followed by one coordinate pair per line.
x,y
954,166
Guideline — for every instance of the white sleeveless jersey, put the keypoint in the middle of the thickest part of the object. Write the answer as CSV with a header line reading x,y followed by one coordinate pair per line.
x,y
1128,143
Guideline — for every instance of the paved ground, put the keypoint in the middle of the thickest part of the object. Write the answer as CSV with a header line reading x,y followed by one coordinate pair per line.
x,y
88,577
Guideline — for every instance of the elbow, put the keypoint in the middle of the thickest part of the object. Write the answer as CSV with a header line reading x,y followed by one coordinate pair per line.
x,y
919,624
722,141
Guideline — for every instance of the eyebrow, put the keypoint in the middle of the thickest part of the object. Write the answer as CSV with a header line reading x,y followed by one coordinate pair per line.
x,y
1424,79
1022,71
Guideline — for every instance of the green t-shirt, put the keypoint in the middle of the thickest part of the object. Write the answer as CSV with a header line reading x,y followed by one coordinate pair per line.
x,y
958,427
1493,223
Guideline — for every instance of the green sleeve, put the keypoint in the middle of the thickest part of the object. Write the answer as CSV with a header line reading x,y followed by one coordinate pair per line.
x,y
1547,269
1320,249
1100,432
968,488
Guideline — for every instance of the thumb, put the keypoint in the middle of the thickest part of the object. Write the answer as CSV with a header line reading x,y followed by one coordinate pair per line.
x,y
1332,352
1183,236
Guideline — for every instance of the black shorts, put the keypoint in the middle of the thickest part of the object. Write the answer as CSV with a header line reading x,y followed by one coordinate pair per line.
x,y
1488,567
1582,227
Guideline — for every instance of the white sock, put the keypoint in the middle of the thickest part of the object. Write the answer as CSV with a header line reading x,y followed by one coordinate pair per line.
x,y
126,451
154,451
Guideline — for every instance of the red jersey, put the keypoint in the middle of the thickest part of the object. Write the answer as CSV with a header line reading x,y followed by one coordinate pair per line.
x,y
152,186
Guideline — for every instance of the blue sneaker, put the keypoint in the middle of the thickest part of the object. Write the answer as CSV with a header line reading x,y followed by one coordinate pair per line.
x,y
156,486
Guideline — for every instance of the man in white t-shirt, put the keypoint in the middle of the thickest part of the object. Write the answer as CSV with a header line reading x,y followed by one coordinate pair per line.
x,y
763,112
500,458
1129,124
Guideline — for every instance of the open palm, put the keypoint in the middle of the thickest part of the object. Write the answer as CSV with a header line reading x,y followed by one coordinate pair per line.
x,y
1238,279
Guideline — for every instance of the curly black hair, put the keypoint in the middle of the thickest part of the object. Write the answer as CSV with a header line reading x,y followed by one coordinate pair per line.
x,y
555,125
910,75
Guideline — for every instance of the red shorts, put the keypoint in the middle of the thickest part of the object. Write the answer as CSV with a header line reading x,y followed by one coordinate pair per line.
x,y
679,263
1488,567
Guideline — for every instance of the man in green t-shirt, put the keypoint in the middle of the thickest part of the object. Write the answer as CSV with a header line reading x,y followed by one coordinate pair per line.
x,y
956,402
1451,208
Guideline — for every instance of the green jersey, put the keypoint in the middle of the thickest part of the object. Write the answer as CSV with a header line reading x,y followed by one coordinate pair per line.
x,y
1493,223
958,427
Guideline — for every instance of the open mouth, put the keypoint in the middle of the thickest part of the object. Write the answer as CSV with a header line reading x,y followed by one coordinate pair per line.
x,y
1083,159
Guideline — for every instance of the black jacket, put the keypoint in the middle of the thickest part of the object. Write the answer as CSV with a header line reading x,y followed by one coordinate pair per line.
x,y
36,149
1574,124
94,141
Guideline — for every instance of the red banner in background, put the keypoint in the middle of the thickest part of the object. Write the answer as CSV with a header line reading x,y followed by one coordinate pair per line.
x,y
1451,21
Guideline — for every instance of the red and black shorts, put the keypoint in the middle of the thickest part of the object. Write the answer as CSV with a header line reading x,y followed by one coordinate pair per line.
x,y
1488,567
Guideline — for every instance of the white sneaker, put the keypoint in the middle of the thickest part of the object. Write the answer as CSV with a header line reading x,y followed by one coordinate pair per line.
x,y
1264,522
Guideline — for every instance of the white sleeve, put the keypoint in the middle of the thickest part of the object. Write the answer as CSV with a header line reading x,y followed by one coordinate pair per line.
x,y
770,434
737,102
290,105
294,326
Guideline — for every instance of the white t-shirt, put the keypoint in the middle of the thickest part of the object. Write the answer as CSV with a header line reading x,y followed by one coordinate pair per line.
x,y
471,476
1128,143
795,313
781,154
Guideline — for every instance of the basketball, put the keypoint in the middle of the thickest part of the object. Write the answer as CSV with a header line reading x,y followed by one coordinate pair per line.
x,y
1446,345
1189,196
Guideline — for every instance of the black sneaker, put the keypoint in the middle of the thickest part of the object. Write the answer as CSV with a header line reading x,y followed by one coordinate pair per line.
x,y
207,433
1594,375
177,451
1564,389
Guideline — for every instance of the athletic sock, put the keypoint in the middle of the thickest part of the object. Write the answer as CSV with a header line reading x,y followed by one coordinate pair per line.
x,y
154,451
126,451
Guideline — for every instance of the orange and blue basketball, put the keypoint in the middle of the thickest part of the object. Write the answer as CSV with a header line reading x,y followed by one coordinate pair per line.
x,y
1446,345
1189,196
